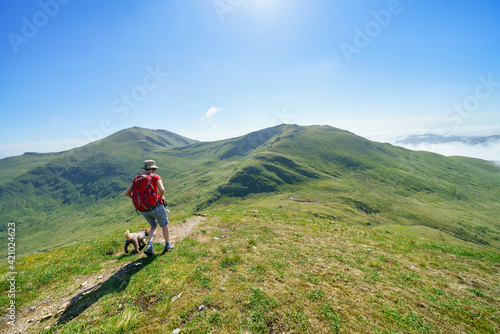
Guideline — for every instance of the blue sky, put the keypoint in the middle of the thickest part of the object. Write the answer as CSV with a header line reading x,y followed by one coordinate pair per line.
x,y
73,71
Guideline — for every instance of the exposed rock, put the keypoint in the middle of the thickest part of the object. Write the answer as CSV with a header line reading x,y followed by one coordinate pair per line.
x,y
46,317
174,298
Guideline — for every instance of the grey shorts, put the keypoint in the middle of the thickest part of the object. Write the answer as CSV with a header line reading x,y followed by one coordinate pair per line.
x,y
157,216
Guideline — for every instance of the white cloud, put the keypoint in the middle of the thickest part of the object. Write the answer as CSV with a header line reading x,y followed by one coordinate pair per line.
x,y
490,151
210,114
394,130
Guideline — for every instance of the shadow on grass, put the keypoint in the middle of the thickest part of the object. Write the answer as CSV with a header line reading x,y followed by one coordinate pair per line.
x,y
116,283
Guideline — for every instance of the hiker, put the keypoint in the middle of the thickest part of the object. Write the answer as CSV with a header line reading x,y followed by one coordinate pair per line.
x,y
147,193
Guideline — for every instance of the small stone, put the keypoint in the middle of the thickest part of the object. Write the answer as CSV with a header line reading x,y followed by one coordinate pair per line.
x,y
138,264
46,317
254,247
216,238
174,298
99,277
176,331
120,306
470,283
84,284
413,268
201,308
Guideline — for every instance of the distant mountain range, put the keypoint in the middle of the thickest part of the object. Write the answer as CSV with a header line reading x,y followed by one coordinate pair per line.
x,y
56,199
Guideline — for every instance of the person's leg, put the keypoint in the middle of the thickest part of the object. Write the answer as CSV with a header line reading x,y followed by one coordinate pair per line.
x,y
162,219
166,233
153,223
152,231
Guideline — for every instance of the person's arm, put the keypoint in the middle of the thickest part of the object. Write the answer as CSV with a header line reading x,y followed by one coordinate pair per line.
x,y
128,192
161,189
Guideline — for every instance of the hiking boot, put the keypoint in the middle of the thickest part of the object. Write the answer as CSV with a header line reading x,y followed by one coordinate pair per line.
x,y
168,248
149,250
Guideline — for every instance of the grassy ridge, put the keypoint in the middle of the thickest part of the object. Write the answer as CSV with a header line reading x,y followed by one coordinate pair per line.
x,y
78,194
57,199
262,270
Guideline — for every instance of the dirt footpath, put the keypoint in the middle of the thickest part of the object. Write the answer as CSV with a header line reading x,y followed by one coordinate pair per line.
x,y
180,231
45,313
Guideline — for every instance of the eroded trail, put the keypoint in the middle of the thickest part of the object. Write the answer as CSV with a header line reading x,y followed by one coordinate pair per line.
x,y
46,313
180,231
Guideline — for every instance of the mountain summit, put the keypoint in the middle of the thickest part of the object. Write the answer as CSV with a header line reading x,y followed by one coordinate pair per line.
x,y
79,193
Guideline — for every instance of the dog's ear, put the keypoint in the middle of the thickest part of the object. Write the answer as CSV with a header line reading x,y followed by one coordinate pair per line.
x,y
146,231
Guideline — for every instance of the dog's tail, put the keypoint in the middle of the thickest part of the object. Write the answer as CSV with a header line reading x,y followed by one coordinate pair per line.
x,y
127,235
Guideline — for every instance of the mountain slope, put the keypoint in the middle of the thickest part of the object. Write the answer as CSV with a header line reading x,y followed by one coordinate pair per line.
x,y
328,172
256,270
56,199
384,184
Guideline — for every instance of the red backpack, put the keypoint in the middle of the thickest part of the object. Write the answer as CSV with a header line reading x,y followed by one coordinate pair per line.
x,y
144,195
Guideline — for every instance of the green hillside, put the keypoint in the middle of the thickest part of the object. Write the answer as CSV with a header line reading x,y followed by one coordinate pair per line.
x,y
57,199
256,270
78,194
309,230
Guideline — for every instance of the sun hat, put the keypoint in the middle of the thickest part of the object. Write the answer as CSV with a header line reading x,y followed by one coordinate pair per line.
x,y
149,164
